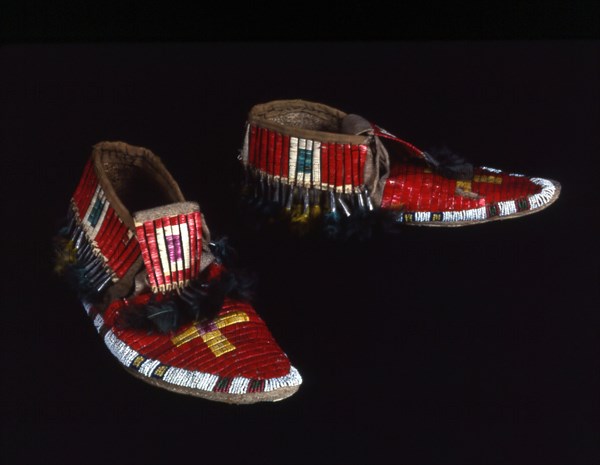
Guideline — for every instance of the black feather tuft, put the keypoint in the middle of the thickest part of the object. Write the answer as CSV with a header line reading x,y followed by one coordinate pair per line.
x,y
269,208
224,253
164,315
362,225
134,316
359,225
238,285
201,300
312,213
449,164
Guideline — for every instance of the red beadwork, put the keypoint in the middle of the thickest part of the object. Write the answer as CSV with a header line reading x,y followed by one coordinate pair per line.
x,y
271,153
339,165
355,166
347,166
409,148
129,256
256,354
264,137
85,191
415,188
194,260
153,253
252,145
141,237
174,266
101,237
278,154
198,236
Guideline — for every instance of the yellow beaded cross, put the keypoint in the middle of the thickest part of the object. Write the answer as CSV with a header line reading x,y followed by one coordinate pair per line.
x,y
210,334
464,188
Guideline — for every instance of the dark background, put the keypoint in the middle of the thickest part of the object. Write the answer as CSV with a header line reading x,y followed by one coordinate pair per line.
x,y
467,345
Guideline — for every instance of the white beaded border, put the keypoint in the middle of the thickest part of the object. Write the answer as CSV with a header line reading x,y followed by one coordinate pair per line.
x,y
182,377
506,208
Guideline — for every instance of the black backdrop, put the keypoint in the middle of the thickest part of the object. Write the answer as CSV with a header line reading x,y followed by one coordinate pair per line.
x,y
468,345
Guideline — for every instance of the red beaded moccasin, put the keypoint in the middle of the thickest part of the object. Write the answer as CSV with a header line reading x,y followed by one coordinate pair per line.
x,y
319,163
157,289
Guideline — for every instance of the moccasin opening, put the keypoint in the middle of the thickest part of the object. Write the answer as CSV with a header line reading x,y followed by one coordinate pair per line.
x,y
301,114
139,178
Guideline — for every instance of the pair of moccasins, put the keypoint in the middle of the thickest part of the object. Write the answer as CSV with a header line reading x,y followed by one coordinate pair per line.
x,y
161,293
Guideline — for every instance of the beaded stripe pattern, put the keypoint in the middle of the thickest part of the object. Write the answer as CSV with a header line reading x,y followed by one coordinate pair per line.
x,y
304,162
171,248
104,245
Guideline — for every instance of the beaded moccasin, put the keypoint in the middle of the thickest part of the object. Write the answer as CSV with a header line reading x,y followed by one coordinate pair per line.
x,y
157,289
320,164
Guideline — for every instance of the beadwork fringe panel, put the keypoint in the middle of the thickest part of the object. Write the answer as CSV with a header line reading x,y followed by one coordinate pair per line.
x,y
104,245
171,249
293,171
304,162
